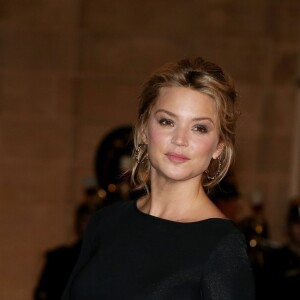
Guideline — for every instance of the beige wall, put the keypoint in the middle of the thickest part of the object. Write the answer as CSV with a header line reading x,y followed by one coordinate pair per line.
x,y
71,70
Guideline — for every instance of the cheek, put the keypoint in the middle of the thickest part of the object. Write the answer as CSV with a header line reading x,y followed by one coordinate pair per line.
x,y
154,135
206,146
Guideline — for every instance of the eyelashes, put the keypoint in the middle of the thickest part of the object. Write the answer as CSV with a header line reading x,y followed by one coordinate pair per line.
x,y
200,128
166,122
197,128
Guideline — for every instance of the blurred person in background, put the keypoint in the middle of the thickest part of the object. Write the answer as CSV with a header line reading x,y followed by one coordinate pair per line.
x,y
256,230
61,261
226,197
283,264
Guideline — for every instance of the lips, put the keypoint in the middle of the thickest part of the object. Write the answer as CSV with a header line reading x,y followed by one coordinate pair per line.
x,y
175,157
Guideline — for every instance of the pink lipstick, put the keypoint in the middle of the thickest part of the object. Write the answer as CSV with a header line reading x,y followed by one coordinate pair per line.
x,y
175,157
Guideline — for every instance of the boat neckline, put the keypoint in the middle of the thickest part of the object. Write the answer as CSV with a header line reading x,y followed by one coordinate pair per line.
x,y
149,216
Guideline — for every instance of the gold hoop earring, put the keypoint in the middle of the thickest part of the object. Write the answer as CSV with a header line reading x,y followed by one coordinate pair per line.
x,y
218,171
139,153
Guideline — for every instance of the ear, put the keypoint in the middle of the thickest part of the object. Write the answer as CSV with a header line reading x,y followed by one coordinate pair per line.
x,y
218,151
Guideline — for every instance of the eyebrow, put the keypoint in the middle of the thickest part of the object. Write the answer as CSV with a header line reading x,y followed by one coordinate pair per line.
x,y
174,116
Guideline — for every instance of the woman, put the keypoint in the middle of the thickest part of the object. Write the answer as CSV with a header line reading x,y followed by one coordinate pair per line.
x,y
172,243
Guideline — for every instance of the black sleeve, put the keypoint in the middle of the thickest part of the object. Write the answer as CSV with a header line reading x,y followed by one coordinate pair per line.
x,y
227,274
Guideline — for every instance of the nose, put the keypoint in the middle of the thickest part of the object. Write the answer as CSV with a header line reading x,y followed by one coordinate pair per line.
x,y
180,137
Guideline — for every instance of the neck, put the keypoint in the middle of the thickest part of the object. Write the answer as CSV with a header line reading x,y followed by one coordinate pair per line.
x,y
174,200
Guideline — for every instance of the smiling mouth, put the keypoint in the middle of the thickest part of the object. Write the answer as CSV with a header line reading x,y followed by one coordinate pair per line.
x,y
177,157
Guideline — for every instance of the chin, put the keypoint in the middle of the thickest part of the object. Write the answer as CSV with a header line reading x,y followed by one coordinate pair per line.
x,y
173,176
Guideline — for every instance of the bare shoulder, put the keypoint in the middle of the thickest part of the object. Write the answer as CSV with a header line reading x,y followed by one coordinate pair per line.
x,y
210,211
205,210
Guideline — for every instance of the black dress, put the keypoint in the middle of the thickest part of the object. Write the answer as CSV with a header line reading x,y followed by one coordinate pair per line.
x,y
128,254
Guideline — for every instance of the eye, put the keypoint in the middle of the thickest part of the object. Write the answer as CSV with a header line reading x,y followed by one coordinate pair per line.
x,y
166,122
200,128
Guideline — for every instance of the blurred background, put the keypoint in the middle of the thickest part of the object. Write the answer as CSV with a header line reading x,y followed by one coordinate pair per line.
x,y
70,74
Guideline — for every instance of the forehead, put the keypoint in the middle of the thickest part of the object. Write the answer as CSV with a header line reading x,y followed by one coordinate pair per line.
x,y
183,100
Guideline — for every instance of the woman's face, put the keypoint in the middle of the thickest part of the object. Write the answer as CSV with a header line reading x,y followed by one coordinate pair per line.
x,y
182,134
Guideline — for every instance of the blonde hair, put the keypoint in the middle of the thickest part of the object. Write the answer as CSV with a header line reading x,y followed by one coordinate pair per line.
x,y
199,75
